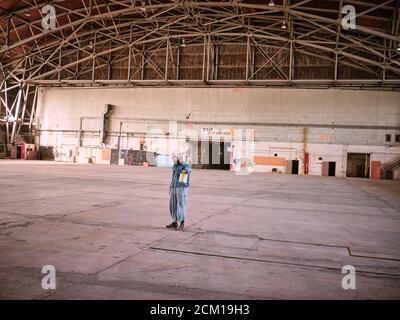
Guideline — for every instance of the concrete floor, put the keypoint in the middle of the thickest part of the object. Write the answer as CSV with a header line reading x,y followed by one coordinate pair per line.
x,y
265,236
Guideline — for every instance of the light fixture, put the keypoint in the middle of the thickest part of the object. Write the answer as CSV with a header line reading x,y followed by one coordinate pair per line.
x,y
398,47
283,24
271,3
27,14
183,44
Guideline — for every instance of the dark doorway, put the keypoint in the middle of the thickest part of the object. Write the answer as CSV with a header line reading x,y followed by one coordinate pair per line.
x,y
332,169
114,156
360,171
211,155
19,151
358,165
219,156
295,167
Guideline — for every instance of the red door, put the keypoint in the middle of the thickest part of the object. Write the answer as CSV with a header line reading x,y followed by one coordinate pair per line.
x,y
375,169
306,162
23,152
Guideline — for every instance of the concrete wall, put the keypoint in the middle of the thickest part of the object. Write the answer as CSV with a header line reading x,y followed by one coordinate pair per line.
x,y
396,174
338,121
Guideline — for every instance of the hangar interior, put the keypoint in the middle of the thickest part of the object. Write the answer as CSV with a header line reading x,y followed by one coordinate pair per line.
x,y
227,65
329,125
283,92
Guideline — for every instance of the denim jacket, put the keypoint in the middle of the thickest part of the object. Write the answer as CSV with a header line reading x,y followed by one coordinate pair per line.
x,y
176,171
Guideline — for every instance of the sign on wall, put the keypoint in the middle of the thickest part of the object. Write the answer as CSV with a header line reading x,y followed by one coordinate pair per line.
x,y
215,132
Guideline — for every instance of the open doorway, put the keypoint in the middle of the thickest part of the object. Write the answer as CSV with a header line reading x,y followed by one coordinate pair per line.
x,y
295,167
210,155
329,168
332,169
358,165
292,166
19,152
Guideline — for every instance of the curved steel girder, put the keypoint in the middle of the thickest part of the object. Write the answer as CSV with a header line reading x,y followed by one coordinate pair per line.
x,y
332,60
287,11
179,34
152,40
255,30
143,40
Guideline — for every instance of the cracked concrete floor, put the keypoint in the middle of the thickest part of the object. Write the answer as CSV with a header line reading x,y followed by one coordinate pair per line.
x,y
263,236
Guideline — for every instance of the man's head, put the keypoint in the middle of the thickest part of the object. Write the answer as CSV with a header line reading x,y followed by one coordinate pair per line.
x,y
178,156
